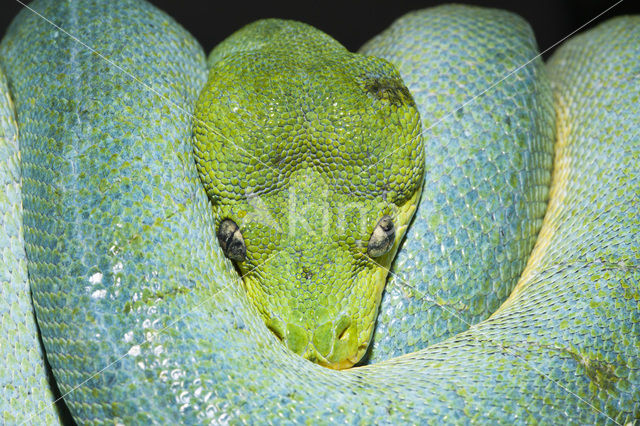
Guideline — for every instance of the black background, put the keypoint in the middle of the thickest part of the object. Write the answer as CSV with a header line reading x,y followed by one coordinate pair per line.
x,y
354,22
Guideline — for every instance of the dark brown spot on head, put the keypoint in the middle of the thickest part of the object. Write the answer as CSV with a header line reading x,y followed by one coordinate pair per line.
x,y
390,90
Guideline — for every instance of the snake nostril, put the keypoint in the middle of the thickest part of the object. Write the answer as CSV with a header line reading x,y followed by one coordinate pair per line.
x,y
342,327
277,334
343,334
277,327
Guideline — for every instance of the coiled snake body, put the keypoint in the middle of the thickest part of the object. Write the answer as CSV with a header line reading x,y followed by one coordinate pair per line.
x,y
128,279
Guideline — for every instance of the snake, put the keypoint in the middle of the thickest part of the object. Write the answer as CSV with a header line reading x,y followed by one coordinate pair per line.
x,y
440,228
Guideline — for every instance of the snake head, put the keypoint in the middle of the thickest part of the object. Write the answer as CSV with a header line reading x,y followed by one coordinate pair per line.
x,y
313,161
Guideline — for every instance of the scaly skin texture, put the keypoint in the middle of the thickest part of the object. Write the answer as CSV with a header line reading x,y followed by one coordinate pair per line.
x,y
23,382
128,278
306,146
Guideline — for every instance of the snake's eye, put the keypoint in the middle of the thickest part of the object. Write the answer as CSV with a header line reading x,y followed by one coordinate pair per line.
x,y
231,240
382,237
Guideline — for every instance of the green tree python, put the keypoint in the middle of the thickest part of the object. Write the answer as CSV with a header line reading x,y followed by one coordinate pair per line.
x,y
513,296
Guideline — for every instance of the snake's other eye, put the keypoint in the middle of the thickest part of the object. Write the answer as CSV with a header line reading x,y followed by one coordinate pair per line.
x,y
382,237
231,240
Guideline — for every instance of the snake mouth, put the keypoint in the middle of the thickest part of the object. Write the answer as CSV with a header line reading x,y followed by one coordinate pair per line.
x,y
341,365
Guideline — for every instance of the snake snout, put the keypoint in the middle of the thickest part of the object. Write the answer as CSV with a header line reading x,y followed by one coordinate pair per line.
x,y
334,344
